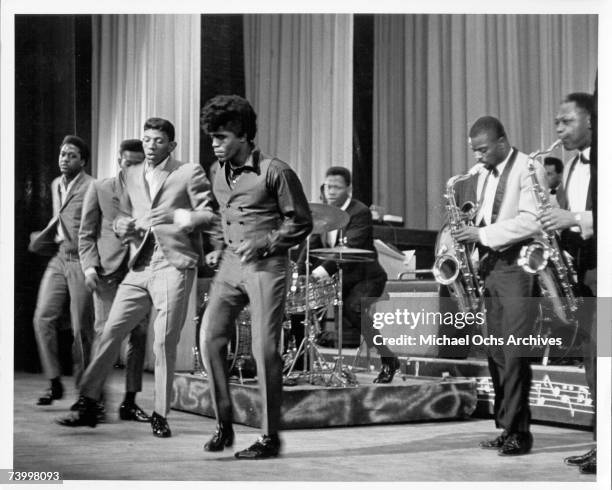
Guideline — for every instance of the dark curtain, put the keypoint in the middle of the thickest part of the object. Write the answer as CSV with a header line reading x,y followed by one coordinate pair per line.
x,y
52,99
222,66
363,65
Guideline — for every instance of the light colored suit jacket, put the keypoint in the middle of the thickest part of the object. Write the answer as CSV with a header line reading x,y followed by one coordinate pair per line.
x,y
99,246
69,218
516,220
183,186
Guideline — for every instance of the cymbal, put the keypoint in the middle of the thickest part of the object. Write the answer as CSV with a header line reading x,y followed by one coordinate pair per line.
x,y
343,254
327,218
341,250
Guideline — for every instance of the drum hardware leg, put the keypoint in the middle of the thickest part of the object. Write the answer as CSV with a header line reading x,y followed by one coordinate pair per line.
x,y
239,364
339,375
310,352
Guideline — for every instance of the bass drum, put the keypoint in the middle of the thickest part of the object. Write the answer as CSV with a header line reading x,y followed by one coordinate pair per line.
x,y
240,360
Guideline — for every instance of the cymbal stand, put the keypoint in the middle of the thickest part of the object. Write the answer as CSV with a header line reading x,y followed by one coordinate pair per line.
x,y
339,375
308,348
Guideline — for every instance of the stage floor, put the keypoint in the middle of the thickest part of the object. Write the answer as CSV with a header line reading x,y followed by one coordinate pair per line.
x,y
426,451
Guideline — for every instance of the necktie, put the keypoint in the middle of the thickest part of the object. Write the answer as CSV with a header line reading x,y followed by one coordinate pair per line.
x,y
584,159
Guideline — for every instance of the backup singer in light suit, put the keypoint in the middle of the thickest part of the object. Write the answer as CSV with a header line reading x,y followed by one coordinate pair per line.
x,y
63,279
104,261
507,221
165,204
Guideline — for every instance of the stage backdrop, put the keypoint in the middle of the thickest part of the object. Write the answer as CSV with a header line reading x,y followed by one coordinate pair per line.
x,y
144,66
434,75
299,78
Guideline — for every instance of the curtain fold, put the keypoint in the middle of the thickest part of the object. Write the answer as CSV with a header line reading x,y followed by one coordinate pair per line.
x,y
299,79
144,66
434,75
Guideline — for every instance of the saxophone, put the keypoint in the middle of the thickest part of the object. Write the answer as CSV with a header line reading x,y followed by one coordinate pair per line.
x,y
453,266
545,258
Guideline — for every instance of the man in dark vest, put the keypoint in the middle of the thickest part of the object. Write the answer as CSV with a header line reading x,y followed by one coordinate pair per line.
x,y
574,219
505,222
264,212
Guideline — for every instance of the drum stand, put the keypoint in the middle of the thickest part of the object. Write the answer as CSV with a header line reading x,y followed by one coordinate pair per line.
x,y
308,347
339,375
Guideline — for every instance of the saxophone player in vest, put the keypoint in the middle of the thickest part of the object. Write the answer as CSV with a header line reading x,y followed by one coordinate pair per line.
x,y
574,219
506,220
264,213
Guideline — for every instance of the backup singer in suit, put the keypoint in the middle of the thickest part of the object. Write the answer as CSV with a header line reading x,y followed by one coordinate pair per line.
x,y
360,280
164,204
574,219
63,279
264,212
104,261
507,220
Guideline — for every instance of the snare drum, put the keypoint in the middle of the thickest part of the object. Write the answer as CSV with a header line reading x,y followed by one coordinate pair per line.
x,y
321,293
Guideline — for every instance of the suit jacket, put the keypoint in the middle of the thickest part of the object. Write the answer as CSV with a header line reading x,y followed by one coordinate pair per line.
x,y
99,246
183,186
581,245
516,220
68,217
358,234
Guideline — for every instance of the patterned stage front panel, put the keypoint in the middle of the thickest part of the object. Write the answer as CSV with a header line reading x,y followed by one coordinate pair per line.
x,y
305,406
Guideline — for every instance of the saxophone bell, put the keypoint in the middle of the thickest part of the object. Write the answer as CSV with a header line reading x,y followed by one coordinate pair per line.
x,y
446,269
534,257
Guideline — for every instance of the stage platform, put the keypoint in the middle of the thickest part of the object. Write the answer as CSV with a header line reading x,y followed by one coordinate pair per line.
x,y
406,399
559,393
426,389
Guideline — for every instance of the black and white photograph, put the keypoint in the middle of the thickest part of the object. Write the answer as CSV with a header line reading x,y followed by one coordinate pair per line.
x,y
306,244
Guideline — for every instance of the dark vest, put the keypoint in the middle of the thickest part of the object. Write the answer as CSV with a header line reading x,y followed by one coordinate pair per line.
x,y
250,208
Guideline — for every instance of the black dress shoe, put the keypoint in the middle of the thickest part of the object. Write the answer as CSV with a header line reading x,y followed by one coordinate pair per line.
x,y
581,459
222,438
516,444
160,426
131,411
589,467
85,415
265,447
389,366
494,443
53,393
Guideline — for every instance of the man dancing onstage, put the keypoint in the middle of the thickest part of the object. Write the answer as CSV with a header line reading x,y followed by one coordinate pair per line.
x,y
575,218
63,279
104,261
164,202
507,220
264,212
360,281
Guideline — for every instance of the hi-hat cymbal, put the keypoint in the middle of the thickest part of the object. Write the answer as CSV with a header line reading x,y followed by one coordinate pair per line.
x,y
327,218
340,250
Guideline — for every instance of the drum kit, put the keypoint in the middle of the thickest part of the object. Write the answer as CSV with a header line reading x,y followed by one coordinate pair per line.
x,y
308,297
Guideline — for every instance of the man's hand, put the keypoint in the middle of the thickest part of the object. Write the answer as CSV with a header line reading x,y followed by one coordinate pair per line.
x,y
125,227
162,216
91,281
212,258
466,234
557,219
251,249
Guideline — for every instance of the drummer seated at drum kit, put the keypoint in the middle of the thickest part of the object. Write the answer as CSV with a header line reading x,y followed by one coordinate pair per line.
x,y
363,278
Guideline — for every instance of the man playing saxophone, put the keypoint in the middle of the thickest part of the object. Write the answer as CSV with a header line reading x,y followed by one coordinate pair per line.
x,y
505,222
574,219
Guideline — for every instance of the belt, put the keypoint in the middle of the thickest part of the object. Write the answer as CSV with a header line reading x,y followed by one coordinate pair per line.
x,y
491,257
69,255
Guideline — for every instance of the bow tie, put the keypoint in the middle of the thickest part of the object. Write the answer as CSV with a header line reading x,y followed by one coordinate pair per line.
x,y
492,169
584,159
